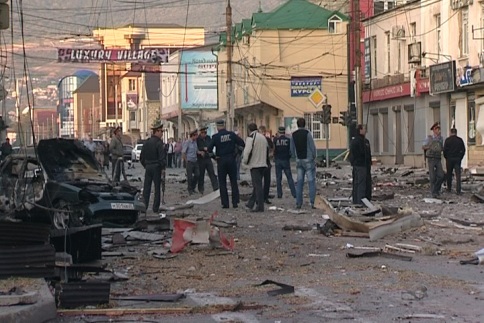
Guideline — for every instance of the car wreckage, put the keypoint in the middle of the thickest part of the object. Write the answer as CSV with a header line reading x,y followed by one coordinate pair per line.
x,y
62,184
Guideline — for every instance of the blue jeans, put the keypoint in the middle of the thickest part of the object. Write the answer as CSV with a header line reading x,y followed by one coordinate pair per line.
x,y
305,167
284,165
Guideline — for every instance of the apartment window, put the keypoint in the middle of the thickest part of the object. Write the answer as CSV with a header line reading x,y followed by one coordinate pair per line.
x,y
132,85
373,57
388,43
315,126
399,57
438,41
333,25
465,32
413,31
482,28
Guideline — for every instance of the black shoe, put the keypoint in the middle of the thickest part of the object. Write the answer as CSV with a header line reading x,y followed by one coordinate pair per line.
x,y
298,207
256,211
313,207
235,206
225,206
247,205
279,196
267,201
270,196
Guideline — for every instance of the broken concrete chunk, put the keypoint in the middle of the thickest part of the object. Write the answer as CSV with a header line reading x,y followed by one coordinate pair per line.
x,y
399,224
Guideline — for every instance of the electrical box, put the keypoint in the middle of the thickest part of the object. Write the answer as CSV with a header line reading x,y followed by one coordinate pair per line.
x,y
4,15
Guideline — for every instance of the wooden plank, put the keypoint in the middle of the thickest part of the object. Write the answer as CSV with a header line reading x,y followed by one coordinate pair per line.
x,y
342,221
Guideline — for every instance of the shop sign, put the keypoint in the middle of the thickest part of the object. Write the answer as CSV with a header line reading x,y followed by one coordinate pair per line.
x,y
442,78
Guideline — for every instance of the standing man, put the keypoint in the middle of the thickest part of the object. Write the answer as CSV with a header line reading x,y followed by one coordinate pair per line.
x,y
189,155
267,171
360,159
6,149
116,149
178,149
225,143
304,149
454,151
282,157
153,159
205,161
170,150
255,158
433,147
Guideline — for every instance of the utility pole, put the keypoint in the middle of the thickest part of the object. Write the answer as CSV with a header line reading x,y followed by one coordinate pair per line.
x,y
230,107
116,102
357,44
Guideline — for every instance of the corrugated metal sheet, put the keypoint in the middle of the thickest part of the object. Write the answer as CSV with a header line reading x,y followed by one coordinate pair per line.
x,y
82,243
76,294
35,261
23,233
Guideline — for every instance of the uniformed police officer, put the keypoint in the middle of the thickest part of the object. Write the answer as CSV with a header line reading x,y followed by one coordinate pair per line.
x,y
153,159
225,143
282,156
205,161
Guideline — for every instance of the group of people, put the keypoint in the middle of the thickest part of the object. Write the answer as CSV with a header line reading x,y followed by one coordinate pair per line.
x,y
452,149
226,147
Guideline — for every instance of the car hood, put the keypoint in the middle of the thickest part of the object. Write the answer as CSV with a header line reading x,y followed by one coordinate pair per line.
x,y
68,160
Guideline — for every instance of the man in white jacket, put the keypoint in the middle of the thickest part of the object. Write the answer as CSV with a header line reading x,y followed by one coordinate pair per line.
x,y
255,158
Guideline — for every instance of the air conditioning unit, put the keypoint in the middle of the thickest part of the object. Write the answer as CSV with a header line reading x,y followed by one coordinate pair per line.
x,y
398,32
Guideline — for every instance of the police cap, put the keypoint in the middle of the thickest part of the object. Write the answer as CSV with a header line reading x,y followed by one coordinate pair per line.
x,y
281,130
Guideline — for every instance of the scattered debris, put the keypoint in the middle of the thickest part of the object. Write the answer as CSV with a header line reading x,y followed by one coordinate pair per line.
x,y
205,199
144,236
164,297
327,228
275,208
477,198
477,260
396,225
389,248
285,289
350,246
417,294
295,227
423,316
370,254
383,196
432,200
176,207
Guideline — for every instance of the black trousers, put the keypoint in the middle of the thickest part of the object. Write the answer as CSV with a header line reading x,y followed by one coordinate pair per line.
x,y
267,181
226,165
454,165
205,164
152,175
360,174
170,160
193,172
257,196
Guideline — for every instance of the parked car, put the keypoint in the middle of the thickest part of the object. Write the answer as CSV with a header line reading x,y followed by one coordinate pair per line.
x,y
135,154
127,149
62,185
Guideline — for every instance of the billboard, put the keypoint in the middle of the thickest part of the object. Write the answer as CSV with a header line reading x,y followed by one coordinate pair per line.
x,y
198,80
82,55
442,77
304,86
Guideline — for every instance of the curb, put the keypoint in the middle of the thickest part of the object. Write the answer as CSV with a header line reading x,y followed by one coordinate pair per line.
x,y
42,311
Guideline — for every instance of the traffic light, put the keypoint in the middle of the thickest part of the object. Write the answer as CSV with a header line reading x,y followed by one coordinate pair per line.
x,y
352,115
326,114
343,118
4,14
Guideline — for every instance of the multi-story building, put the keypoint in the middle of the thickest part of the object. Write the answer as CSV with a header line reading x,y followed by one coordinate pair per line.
x,y
129,88
282,57
86,111
423,65
189,91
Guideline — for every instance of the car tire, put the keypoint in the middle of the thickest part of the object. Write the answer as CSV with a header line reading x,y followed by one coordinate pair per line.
x,y
64,216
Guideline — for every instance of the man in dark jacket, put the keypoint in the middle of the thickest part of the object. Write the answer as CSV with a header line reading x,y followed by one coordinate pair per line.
x,y
153,159
282,156
205,161
225,142
360,159
454,151
6,149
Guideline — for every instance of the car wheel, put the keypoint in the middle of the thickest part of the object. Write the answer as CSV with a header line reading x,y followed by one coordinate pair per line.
x,y
64,216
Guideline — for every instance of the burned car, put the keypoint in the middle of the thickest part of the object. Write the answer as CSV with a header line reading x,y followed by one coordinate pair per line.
x,y
62,184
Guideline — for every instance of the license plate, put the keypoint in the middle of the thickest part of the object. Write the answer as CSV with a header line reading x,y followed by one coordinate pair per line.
x,y
122,206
